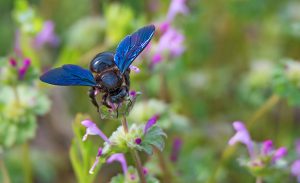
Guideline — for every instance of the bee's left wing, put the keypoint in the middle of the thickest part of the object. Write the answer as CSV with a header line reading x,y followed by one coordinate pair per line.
x,y
131,46
69,75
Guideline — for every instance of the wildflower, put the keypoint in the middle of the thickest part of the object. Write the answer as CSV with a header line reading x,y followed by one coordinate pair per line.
x,y
46,35
171,44
22,70
265,158
134,68
92,129
279,153
267,147
12,62
138,141
150,123
176,147
96,161
176,6
295,170
242,135
120,158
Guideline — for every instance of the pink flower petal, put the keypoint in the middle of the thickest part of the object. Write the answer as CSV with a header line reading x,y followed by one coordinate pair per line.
x,y
92,129
120,158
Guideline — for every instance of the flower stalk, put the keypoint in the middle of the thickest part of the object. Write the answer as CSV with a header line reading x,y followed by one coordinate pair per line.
x,y
135,154
5,178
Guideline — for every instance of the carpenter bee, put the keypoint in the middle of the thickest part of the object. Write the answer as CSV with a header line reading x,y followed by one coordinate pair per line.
x,y
109,71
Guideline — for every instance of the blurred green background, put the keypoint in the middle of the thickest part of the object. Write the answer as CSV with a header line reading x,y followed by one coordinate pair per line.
x,y
234,67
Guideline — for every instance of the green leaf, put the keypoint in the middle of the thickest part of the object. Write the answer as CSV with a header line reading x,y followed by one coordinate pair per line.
x,y
154,137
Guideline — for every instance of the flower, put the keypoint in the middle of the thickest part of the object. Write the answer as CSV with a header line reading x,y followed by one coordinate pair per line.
x,y
242,135
279,153
267,147
138,141
176,147
176,6
295,170
120,158
170,43
150,123
46,35
91,171
92,129
12,62
23,70
134,68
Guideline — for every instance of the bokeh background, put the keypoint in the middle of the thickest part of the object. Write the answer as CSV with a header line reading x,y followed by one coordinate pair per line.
x,y
224,61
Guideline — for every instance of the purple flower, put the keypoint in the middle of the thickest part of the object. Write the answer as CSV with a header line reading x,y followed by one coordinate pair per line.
x,y
170,43
92,129
46,36
150,123
295,170
242,135
23,70
177,6
176,147
132,93
91,171
267,147
138,141
12,62
120,158
134,68
156,58
279,153
145,170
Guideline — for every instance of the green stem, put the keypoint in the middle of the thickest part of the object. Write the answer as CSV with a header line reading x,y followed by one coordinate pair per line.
x,y
167,176
135,154
139,166
15,90
27,163
5,174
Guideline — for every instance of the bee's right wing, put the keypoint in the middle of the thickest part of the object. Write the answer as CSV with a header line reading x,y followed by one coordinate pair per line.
x,y
69,75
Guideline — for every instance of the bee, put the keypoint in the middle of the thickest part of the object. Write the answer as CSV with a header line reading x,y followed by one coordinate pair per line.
x,y
108,72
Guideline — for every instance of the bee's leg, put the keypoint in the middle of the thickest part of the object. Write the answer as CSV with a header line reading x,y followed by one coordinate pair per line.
x,y
104,100
92,96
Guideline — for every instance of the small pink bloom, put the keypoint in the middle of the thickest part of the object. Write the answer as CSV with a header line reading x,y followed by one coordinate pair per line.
x,y
134,68
13,62
267,147
176,147
295,169
156,58
150,123
177,6
279,153
138,141
120,158
46,35
91,171
92,129
242,135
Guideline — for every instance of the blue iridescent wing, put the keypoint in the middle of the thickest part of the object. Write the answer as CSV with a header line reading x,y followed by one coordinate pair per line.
x,y
69,75
131,46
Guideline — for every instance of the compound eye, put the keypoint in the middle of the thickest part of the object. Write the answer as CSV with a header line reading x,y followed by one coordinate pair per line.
x,y
102,61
